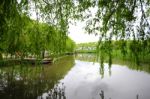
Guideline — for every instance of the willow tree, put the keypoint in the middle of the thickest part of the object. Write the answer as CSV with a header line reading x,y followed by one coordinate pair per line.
x,y
22,36
113,19
10,26
119,20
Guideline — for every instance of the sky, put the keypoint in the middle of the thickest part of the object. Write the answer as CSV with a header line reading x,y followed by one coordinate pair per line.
x,y
78,34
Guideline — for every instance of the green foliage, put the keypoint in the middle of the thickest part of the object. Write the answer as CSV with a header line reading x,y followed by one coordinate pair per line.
x,y
28,82
132,50
86,47
135,51
118,19
28,37
70,45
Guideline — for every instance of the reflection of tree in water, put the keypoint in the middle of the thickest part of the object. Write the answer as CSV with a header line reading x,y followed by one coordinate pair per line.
x,y
137,96
21,82
111,60
28,82
58,92
24,83
109,70
90,57
102,70
102,95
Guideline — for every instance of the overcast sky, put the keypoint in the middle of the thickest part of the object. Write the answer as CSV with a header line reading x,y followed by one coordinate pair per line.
x,y
78,34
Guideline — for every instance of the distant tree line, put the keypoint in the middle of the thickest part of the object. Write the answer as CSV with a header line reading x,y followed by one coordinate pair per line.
x,y
128,50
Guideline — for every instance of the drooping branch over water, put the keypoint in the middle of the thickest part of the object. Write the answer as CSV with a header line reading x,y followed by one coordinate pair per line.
x,y
121,20
22,36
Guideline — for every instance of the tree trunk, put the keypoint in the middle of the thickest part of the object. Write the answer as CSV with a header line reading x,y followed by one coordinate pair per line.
x,y
43,54
1,56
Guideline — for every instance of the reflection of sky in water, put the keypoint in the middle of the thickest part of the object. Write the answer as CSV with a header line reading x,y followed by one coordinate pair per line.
x,y
84,81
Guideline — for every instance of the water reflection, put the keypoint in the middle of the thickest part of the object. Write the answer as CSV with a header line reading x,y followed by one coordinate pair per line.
x,y
102,70
18,82
92,58
79,79
58,92
102,95
28,82
109,70
84,82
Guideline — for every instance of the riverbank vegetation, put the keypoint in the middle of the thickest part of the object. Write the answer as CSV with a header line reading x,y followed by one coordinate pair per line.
x,y
22,37
86,47
91,58
122,20
29,82
32,39
130,50
37,31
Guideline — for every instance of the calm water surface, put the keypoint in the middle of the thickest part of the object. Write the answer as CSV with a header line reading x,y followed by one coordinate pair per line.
x,y
76,78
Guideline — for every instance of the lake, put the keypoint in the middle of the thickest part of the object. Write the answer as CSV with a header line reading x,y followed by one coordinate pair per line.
x,y
76,77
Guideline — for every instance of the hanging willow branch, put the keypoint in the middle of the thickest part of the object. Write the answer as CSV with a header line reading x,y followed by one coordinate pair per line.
x,y
118,19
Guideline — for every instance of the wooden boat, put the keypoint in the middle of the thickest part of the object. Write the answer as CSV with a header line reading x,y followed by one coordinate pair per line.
x,y
31,61
46,61
37,61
